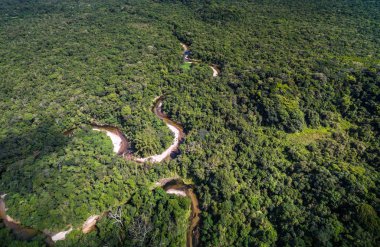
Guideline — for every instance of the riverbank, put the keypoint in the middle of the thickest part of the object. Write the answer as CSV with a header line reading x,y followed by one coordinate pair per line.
x,y
120,143
121,147
28,233
179,188
23,233
186,59
215,70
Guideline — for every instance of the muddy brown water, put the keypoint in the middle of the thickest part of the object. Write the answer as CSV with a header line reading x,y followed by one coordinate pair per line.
x,y
125,145
192,236
21,232
125,149
157,110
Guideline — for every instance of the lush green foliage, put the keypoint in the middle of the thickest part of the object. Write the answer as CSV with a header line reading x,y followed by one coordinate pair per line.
x,y
148,219
283,146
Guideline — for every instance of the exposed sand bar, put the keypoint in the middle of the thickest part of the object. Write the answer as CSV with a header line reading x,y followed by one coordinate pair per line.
x,y
60,235
176,192
24,233
90,223
215,72
160,157
185,47
116,140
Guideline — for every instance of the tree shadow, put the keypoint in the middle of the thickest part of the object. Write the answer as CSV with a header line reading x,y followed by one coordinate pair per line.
x,y
23,143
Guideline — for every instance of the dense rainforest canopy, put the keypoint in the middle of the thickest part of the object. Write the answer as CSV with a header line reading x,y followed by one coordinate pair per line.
x,y
283,147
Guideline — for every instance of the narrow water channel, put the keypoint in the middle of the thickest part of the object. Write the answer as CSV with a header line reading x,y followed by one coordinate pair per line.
x,y
121,147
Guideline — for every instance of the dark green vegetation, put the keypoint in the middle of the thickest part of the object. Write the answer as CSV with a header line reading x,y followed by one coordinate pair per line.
x,y
283,147
149,219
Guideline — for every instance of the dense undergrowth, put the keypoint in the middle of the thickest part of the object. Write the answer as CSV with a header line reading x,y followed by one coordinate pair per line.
x,y
283,146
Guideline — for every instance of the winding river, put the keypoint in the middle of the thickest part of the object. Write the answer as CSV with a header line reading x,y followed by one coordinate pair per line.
x,y
176,186
121,147
21,232
175,127
186,59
